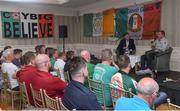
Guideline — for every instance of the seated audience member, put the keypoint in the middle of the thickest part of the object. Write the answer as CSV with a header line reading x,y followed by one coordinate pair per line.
x,y
53,55
27,73
69,56
159,45
42,49
126,46
37,50
47,50
103,72
147,92
6,47
59,64
17,57
9,68
87,57
54,86
76,95
121,79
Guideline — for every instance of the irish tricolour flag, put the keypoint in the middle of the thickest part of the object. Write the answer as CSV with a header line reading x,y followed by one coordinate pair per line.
x,y
140,20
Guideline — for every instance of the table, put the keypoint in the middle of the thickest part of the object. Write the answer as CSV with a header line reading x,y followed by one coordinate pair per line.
x,y
134,59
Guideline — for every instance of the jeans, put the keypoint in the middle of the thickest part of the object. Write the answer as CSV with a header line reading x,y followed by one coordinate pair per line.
x,y
161,99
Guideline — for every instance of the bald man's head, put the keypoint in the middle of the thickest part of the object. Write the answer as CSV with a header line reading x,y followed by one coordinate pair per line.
x,y
86,55
42,61
147,86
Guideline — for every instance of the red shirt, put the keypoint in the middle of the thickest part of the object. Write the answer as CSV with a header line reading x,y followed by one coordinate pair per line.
x,y
26,75
53,85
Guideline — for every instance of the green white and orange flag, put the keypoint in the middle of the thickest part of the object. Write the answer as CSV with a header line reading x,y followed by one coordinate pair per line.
x,y
108,22
140,20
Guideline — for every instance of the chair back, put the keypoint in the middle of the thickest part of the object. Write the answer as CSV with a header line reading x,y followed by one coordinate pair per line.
x,y
161,61
24,95
6,83
97,88
38,97
172,106
62,105
51,103
118,92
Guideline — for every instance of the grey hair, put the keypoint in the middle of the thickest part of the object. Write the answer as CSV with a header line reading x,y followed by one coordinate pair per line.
x,y
147,87
7,52
106,54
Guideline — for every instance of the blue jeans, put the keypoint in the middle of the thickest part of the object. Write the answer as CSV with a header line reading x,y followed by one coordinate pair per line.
x,y
161,99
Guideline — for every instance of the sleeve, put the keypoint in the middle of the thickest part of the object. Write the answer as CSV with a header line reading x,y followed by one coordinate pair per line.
x,y
120,50
118,106
91,103
117,81
18,74
59,84
56,64
165,45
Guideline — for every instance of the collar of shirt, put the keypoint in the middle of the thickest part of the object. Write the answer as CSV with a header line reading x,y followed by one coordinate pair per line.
x,y
77,83
141,100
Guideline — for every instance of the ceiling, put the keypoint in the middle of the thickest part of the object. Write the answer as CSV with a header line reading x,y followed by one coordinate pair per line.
x,y
70,4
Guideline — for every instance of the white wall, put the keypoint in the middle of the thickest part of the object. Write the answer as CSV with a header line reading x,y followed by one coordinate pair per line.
x,y
103,5
37,8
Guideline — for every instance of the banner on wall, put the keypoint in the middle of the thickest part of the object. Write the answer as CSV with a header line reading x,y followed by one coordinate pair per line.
x,y
140,21
27,25
88,25
108,22
97,24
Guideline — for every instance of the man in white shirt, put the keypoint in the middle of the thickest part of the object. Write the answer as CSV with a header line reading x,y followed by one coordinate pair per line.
x,y
59,64
9,68
159,45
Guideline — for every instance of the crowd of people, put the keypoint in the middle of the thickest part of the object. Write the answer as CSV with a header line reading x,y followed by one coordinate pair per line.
x,y
42,68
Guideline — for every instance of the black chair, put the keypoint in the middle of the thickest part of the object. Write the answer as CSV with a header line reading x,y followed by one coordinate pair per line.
x,y
161,61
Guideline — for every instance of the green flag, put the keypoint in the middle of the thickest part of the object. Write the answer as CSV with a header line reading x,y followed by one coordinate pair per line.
x,y
121,20
88,25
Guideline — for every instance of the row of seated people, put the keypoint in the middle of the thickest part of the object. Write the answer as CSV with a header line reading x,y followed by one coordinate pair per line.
x,y
75,95
108,72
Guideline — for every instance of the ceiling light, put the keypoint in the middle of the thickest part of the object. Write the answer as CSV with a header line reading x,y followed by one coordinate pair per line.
x,y
62,1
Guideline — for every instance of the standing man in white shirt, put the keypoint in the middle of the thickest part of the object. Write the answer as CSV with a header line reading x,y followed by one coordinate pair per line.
x,y
9,68
160,44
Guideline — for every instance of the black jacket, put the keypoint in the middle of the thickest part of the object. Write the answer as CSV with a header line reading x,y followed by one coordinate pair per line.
x,y
120,49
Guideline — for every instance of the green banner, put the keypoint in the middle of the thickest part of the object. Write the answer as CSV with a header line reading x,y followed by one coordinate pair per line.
x,y
88,25
11,25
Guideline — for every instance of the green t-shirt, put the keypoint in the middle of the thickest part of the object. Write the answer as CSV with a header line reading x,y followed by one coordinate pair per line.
x,y
90,68
128,83
104,73
53,60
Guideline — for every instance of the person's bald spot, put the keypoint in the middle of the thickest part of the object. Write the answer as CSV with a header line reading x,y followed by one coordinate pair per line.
x,y
146,81
147,85
40,59
86,55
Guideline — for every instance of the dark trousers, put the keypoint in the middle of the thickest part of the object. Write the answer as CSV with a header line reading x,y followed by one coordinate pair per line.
x,y
147,59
